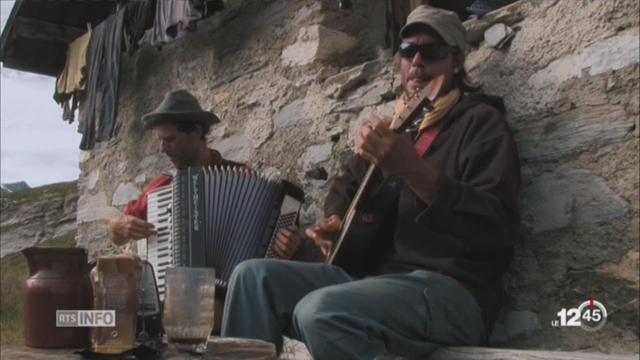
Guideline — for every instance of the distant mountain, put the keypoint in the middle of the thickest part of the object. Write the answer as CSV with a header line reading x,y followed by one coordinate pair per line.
x,y
14,187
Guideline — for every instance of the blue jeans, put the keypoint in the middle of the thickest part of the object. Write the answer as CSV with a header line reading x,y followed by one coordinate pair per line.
x,y
337,317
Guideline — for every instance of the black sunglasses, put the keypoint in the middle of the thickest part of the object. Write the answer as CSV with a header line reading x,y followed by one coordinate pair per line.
x,y
428,52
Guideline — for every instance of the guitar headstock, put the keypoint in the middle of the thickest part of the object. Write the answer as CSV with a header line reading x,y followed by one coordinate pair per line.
x,y
418,101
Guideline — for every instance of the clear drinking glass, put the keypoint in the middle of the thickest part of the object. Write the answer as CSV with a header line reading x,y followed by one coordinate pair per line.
x,y
188,312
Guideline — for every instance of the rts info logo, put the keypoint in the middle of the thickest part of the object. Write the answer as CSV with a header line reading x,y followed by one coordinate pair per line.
x,y
591,315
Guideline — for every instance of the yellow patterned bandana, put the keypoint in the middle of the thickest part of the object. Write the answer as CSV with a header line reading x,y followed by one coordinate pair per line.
x,y
441,107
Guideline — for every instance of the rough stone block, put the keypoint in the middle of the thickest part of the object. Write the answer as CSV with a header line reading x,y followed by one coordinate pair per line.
x,y
316,43
614,53
125,193
258,130
316,154
92,179
570,132
340,84
236,148
305,13
478,58
289,115
94,208
626,268
497,34
569,197
369,95
148,161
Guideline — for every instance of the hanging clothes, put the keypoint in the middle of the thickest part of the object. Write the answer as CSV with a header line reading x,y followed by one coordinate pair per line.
x,y
208,7
99,106
73,75
139,17
173,19
72,79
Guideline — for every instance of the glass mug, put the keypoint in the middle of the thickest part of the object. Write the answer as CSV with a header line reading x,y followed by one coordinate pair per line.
x,y
188,312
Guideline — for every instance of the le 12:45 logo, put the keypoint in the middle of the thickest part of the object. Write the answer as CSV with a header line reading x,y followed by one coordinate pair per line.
x,y
591,315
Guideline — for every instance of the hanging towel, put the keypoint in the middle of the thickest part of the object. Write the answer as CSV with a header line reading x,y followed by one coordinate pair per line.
x,y
73,75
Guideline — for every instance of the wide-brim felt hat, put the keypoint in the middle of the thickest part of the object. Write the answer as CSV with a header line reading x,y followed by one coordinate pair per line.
x,y
179,106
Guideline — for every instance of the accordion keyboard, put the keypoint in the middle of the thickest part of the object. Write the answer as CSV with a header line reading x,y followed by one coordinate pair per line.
x,y
159,247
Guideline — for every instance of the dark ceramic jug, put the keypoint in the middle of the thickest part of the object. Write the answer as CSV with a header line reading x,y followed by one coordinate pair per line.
x,y
59,280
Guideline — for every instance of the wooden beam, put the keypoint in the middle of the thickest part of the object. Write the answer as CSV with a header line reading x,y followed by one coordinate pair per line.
x,y
477,353
44,30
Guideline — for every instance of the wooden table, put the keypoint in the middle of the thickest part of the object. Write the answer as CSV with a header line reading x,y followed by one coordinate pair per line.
x,y
218,349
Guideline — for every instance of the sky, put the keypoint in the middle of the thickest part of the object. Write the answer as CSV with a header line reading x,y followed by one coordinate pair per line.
x,y
36,145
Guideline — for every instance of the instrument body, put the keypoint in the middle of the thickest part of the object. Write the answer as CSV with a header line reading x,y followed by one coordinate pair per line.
x,y
217,217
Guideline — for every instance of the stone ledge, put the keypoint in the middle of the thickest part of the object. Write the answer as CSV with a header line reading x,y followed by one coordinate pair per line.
x,y
477,353
218,349
295,350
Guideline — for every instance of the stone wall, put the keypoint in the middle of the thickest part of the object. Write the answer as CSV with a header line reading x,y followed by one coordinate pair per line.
x,y
291,81
570,82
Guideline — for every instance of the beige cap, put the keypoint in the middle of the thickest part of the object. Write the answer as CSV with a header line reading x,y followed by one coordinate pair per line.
x,y
446,23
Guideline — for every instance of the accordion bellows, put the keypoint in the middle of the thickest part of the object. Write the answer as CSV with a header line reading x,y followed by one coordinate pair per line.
x,y
217,217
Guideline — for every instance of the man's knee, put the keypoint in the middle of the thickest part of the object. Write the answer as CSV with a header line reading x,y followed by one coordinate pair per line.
x,y
254,270
316,308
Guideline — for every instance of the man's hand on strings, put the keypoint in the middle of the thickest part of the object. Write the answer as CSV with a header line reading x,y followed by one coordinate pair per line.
x,y
324,232
380,145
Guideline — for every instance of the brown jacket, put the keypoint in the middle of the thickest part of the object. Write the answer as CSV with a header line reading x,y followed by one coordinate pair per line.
x,y
468,231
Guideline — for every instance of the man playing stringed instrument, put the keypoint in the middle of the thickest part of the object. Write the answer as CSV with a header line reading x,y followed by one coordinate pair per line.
x,y
441,215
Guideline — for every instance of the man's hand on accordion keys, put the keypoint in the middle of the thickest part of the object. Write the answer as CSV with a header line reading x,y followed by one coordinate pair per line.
x,y
324,233
128,227
287,242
